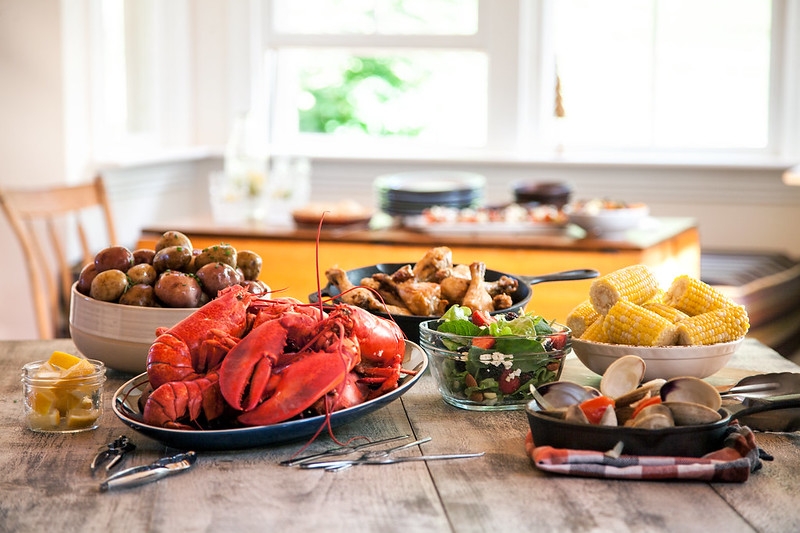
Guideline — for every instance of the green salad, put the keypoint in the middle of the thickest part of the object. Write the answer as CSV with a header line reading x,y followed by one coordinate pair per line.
x,y
501,356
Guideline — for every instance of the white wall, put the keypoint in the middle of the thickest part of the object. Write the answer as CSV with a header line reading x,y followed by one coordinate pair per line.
x,y
31,137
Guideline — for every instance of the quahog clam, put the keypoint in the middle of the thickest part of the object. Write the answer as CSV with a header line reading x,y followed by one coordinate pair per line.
x,y
655,416
559,395
691,400
622,376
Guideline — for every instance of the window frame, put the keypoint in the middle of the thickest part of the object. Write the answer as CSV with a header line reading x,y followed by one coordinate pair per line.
x,y
520,92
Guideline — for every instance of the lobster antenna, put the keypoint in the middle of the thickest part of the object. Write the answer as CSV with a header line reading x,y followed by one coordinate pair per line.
x,y
316,260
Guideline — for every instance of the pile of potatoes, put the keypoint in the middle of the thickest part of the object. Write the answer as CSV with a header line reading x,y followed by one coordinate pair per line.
x,y
173,275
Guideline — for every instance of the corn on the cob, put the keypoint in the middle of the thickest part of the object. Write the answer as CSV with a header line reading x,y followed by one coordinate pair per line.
x,y
720,325
595,332
635,283
580,317
667,311
628,323
694,297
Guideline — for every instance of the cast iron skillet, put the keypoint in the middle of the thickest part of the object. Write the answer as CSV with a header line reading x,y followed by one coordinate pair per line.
x,y
410,323
684,441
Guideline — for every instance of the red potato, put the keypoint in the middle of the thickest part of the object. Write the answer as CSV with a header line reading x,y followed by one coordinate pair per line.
x,y
217,276
113,257
85,278
143,255
177,289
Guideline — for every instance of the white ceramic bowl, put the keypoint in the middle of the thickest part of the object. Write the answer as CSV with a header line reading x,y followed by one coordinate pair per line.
x,y
662,361
119,335
608,223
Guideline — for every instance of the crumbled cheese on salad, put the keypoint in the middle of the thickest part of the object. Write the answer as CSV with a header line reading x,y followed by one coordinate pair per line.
x,y
497,359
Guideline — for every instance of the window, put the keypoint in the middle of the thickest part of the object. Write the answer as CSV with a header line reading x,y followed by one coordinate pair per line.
x,y
380,69
696,76
632,74
688,74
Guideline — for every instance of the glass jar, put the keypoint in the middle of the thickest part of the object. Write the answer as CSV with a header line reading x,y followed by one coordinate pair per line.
x,y
57,402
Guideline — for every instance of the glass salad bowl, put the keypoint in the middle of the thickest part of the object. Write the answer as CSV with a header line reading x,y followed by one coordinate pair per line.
x,y
492,366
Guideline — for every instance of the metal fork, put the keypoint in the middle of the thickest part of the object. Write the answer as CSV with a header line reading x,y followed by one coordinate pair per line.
x,y
341,450
335,466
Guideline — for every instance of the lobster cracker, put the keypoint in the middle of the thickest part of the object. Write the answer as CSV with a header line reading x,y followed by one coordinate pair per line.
x,y
112,453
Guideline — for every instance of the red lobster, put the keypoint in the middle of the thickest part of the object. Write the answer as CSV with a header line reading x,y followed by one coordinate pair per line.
x,y
288,363
269,361
182,362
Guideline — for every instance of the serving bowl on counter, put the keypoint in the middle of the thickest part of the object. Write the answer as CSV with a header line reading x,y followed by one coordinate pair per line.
x,y
663,362
118,335
472,376
606,222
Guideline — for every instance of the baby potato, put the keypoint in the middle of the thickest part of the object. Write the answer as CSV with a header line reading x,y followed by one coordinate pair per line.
x,y
249,263
113,257
142,274
173,238
178,289
139,295
109,285
256,286
219,253
172,258
88,272
216,276
143,255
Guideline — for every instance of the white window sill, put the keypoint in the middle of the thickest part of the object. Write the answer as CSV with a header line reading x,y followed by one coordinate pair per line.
x,y
563,158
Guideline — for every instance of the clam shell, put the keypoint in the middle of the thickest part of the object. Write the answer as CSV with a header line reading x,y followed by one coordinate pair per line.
x,y
691,414
653,421
691,390
562,394
609,417
575,415
646,390
622,376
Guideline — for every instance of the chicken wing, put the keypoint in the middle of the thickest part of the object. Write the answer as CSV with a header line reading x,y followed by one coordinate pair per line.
x,y
434,260
476,297
360,296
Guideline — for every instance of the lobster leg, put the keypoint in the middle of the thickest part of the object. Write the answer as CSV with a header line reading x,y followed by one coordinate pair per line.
x,y
178,400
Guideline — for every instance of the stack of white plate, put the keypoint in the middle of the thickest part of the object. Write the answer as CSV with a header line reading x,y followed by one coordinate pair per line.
x,y
410,193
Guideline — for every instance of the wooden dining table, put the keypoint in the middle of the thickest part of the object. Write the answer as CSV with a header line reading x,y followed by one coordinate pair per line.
x,y
46,483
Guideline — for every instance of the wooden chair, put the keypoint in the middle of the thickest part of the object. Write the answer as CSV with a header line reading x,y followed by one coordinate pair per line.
x,y
51,225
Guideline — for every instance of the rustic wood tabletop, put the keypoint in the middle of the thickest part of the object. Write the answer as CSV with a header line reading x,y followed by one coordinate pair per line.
x,y
47,484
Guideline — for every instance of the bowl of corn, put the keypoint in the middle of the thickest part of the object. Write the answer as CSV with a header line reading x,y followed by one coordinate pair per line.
x,y
687,329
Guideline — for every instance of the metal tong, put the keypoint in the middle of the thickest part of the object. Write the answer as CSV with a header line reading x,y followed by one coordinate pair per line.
x,y
339,451
112,453
139,475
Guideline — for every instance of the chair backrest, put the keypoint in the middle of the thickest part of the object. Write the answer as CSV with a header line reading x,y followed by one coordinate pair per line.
x,y
46,222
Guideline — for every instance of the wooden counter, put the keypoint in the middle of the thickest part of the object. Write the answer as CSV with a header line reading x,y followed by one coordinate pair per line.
x,y
670,245
47,484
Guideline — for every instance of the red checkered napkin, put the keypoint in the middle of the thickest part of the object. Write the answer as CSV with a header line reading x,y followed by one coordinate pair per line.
x,y
732,463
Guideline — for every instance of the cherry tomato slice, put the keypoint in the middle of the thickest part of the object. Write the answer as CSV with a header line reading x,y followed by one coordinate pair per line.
x,y
484,343
644,403
594,408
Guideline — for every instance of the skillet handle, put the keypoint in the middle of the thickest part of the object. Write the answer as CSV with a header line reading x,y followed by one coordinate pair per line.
x,y
769,403
567,275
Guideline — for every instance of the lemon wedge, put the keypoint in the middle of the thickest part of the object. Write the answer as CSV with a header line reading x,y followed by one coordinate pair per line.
x,y
80,369
81,418
43,401
64,360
